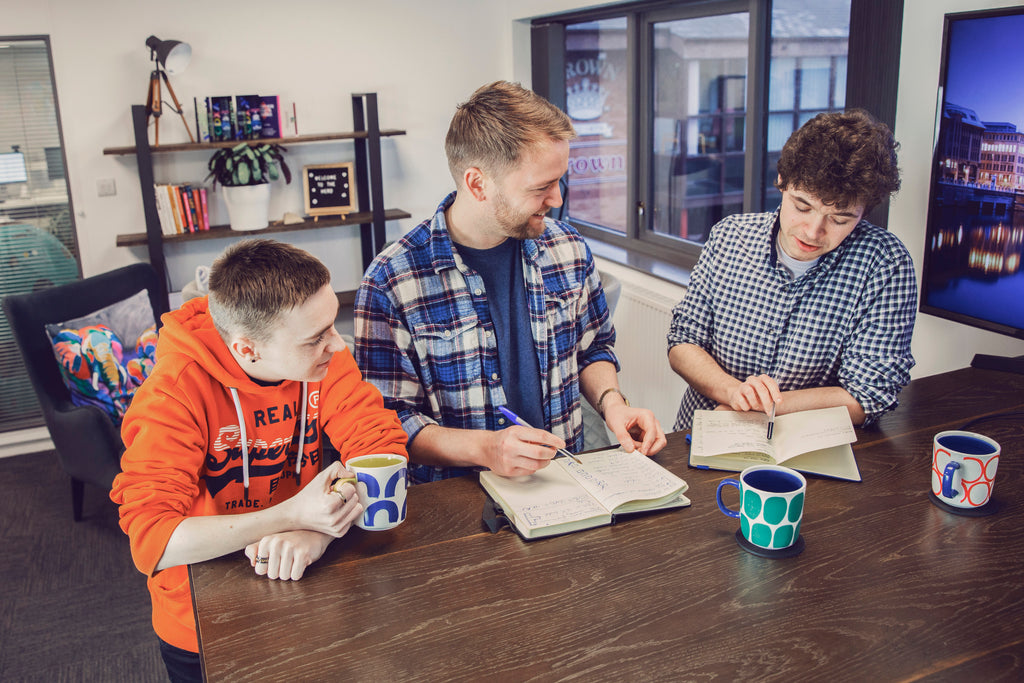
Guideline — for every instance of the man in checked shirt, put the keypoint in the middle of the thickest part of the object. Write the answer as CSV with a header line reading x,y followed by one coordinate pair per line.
x,y
491,304
809,306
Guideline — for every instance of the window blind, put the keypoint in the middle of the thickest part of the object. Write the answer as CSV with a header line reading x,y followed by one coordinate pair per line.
x,y
38,247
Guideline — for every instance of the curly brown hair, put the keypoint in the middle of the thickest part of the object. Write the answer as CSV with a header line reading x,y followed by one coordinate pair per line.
x,y
842,158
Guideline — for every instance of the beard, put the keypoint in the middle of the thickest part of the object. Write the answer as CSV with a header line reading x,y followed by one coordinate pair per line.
x,y
516,224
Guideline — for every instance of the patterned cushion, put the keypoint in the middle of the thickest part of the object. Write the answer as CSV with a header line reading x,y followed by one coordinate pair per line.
x,y
96,365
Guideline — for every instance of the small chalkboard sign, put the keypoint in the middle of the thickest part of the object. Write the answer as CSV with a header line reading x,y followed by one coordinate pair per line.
x,y
329,189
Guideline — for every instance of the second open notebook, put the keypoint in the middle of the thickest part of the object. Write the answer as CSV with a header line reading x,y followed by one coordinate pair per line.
x,y
566,496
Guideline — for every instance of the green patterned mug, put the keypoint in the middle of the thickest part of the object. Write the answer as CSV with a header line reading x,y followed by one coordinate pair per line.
x,y
771,505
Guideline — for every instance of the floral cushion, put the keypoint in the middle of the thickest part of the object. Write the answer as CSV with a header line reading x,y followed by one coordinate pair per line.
x,y
97,366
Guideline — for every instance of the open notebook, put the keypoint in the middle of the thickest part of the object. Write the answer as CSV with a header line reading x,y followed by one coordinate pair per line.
x,y
566,496
811,441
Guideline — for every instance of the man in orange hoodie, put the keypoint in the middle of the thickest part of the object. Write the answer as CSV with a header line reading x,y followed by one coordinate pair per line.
x,y
223,441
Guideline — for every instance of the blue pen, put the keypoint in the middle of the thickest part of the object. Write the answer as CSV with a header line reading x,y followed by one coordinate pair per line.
x,y
515,419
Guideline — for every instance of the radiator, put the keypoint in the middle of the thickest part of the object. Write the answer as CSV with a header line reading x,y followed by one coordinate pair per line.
x,y
642,319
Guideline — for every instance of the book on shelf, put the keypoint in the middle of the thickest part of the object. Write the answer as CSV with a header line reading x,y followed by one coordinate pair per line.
x,y
181,208
566,496
164,210
288,119
190,209
811,441
270,116
246,107
222,126
202,119
205,209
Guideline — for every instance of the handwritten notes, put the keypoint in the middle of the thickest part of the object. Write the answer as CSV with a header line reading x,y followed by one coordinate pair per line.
x,y
567,496
617,477
717,432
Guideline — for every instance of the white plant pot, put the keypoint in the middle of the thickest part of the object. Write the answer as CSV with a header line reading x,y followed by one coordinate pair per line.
x,y
248,206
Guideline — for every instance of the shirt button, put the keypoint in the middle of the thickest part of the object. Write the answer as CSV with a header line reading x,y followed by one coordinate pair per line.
x,y
447,334
478,292
494,375
501,420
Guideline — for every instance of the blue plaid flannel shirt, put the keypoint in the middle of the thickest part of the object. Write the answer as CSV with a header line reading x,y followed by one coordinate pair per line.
x,y
847,322
425,338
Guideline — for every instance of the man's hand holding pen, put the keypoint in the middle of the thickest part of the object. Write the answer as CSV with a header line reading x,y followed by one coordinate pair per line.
x,y
757,392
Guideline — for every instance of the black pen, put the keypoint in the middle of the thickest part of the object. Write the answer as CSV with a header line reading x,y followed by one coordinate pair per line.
x,y
771,421
515,419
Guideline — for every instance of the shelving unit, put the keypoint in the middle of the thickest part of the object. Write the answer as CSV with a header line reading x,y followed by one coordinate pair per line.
x,y
370,218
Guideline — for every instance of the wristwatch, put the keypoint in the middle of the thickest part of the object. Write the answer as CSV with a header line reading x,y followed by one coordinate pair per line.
x,y
600,401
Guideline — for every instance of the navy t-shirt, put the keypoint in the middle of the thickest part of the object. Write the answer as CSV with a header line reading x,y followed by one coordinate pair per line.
x,y
502,271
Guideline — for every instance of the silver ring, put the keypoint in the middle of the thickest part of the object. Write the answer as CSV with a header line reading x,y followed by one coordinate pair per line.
x,y
262,560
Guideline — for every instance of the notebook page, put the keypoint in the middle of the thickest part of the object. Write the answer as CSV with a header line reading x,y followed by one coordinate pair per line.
x,y
545,498
615,477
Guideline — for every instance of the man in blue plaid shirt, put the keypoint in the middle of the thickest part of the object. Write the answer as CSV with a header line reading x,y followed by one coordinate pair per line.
x,y
809,306
490,304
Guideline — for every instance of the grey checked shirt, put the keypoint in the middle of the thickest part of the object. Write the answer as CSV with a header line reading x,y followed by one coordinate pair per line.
x,y
847,322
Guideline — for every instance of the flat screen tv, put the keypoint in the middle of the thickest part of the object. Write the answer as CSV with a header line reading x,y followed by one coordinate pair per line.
x,y
975,236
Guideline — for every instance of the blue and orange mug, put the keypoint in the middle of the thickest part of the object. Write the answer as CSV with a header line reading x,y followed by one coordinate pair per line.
x,y
964,468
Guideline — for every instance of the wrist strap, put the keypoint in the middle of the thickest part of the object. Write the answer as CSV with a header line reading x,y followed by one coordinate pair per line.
x,y
600,401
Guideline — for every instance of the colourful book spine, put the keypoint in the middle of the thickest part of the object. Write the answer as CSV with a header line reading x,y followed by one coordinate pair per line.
x,y
172,193
206,212
186,210
271,116
195,213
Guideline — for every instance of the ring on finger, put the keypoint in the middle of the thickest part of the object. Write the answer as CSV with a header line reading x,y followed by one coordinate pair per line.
x,y
342,495
262,560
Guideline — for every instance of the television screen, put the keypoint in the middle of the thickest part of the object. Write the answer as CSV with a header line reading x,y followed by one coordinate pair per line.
x,y
975,235
12,168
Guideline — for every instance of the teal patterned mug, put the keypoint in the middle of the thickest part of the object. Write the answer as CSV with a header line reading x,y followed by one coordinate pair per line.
x,y
771,505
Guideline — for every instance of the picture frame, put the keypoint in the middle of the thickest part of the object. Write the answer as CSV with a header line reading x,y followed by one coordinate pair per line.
x,y
329,189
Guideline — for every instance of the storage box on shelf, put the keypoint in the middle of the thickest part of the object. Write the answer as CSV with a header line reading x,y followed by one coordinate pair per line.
x,y
371,216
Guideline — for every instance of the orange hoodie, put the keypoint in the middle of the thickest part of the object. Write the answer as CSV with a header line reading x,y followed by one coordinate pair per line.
x,y
184,454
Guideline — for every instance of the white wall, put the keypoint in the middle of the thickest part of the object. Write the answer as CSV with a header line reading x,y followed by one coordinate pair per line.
x,y
421,58
939,345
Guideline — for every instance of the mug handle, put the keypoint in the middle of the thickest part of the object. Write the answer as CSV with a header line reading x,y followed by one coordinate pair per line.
x,y
718,497
947,480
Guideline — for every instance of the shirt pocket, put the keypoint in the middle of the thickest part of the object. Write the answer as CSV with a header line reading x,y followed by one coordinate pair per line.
x,y
451,351
563,316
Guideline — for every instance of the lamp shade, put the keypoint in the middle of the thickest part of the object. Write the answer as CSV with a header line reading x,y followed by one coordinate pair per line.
x,y
173,55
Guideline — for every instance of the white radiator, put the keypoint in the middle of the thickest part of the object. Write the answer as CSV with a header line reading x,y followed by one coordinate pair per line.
x,y
642,319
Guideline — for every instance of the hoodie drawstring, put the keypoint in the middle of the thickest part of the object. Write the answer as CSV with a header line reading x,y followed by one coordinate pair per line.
x,y
302,433
245,441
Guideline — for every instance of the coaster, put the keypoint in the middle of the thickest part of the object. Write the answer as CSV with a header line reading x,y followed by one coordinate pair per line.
x,y
989,508
791,551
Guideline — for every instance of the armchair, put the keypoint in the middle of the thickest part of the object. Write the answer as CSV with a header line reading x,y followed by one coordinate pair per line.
x,y
88,443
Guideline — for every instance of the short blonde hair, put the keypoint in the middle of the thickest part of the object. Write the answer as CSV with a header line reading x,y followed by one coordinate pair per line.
x,y
497,124
254,282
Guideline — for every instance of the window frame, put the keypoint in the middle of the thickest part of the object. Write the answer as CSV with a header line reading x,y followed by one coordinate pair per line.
x,y
873,48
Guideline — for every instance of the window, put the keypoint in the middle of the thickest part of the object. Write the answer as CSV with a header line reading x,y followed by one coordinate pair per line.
x,y
38,248
675,128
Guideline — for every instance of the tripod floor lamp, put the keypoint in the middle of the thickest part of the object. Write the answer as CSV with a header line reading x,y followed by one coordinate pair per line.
x,y
170,57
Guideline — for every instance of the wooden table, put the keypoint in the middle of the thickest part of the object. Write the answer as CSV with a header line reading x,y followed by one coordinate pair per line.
x,y
889,586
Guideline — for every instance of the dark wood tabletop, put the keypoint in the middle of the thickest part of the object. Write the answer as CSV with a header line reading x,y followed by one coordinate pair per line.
x,y
888,587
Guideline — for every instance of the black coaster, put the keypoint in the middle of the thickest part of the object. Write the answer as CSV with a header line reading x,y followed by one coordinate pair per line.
x,y
989,508
791,551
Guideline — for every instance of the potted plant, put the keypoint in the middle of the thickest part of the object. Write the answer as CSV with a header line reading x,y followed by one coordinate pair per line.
x,y
245,172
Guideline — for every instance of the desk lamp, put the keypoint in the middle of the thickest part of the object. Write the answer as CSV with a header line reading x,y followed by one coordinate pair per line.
x,y
170,57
